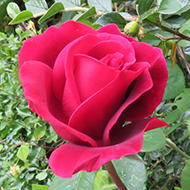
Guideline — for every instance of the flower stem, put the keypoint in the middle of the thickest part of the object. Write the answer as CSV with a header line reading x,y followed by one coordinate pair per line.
x,y
111,169
172,145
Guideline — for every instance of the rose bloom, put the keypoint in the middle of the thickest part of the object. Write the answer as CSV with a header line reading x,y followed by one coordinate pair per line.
x,y
87,84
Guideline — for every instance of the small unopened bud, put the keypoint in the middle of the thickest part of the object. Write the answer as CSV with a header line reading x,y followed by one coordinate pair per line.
x,y
141,32
131,29
169,44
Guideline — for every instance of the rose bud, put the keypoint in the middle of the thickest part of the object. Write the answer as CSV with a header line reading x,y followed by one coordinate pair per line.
x,y
169,44
131,29
141,32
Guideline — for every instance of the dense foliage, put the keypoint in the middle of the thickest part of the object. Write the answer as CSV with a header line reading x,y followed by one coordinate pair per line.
x,y
26,141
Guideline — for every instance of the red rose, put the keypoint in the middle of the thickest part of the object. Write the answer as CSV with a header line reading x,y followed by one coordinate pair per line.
x,y
87,83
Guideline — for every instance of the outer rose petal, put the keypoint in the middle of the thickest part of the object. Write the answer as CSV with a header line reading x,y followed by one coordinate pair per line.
x,y
147,103
113,29
70,158
118,119
37,83
47,46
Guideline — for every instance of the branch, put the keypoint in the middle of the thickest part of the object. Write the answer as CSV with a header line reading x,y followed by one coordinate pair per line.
x,y
173,146
165,28
179,51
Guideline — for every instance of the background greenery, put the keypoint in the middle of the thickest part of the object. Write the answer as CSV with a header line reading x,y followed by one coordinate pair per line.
x,y
26,141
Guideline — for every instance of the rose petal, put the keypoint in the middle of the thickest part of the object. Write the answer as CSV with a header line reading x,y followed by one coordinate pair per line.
x,y
91,75
113,60
148,102
112,44
118,119
113,29
47,46
69,158
36,79
66,90
92,116
145,52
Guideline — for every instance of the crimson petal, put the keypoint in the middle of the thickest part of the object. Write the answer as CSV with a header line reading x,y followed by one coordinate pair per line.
x,y
118,119
70,158
92,115
47,46
91,75
148,102
66,90
112,44
113,29
37,84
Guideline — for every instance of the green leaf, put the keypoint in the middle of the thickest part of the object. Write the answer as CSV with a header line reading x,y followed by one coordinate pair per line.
x,y
125,15
169,7
182,101
151,39
185,27
41,175
153,140
54,9
3,11
146,15
81,180
67,16
185,8
21,17
91,12
91,24
118,0
1,147
136,157
13,10
39,133
175,83
185,43
185,30
110,18
3,124
103,181
185,176
132,172
185,116
7,164
23,112
173,116
36,6
178,188
171,129
37,152
39,187
188,127
52,137
101,5
70,3
174,21
145,5
23,152
184,2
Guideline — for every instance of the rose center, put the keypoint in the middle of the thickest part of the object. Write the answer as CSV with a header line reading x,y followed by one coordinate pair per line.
x,y
113,60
